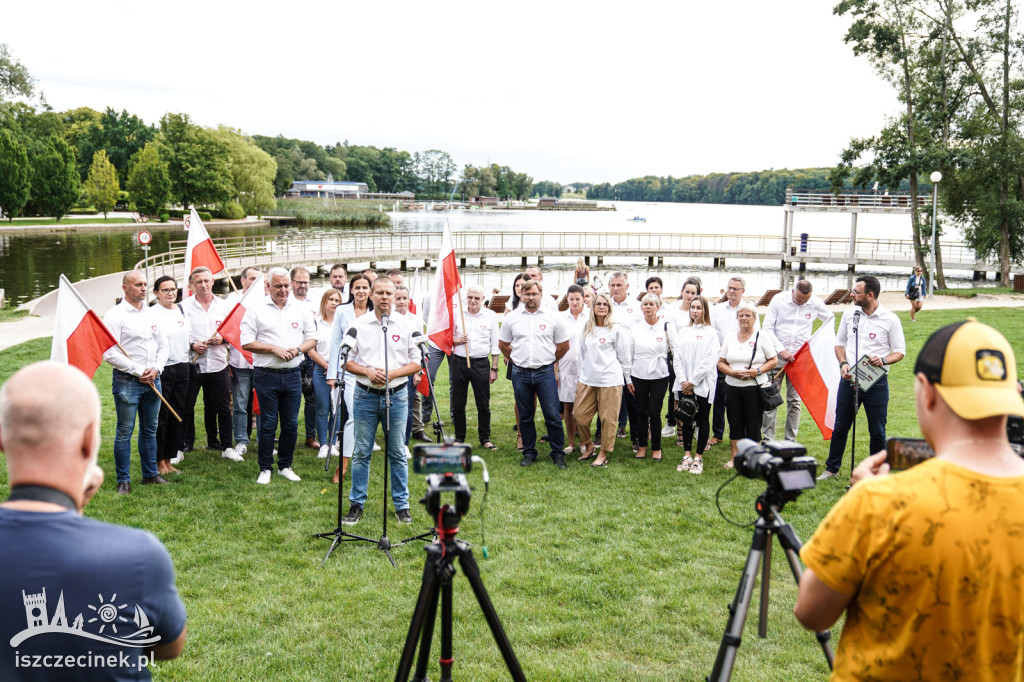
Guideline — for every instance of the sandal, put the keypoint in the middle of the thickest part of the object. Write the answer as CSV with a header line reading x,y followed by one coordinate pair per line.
x,y
655,459
685,464
588,454
600,464
638,455
698,466
728,465
490,446
680,443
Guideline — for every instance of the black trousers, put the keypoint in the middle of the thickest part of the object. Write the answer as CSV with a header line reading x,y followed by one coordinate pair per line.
x,y
174,382
216,388
743,405
700,420
461,377
718,414
650,396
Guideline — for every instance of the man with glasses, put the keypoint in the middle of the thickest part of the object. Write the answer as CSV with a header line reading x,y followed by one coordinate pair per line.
x,y
477,340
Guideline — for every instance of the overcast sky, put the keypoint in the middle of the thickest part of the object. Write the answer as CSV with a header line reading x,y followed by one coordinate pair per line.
x,y
569,92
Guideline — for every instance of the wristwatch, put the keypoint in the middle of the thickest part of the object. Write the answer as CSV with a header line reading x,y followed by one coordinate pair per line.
x,y
844,362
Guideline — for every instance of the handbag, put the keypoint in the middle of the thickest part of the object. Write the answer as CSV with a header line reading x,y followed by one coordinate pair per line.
x,y
307,379
771,396
686,408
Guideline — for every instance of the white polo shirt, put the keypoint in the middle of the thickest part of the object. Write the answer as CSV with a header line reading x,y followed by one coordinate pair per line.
x,y
880,334
533,336
175,326
287,327
203,324
482,330
605,357
789,325
569,365
370,346
723,319
140,335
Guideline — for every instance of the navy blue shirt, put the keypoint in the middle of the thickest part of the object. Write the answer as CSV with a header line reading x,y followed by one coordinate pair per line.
x,y
82,599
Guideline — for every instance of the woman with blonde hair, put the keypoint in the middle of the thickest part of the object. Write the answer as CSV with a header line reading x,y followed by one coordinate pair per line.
x,y
329,302
582,273
604,368
695,356
650,345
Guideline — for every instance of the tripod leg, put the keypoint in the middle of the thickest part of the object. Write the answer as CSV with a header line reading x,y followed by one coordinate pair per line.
x,y
472,572
446,632
428,634
428,595
766,576
791,546
738,608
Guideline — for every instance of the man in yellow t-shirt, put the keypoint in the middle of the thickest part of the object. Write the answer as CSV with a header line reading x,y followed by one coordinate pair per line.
x,y
929,563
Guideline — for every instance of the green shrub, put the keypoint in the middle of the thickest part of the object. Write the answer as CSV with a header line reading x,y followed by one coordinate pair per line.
x,y
231,210
164,217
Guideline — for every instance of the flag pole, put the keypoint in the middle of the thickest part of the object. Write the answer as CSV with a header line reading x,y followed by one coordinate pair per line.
x,y
465,331
153,386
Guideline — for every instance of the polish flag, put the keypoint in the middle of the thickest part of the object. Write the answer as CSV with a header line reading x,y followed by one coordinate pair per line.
x,y
199,251
441,323
815,375
231,327
79,336
412,291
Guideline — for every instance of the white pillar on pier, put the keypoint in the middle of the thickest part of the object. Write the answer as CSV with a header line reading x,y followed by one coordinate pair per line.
x,y
853,234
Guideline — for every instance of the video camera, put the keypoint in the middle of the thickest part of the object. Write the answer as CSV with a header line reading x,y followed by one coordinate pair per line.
x,y
783,464
446,467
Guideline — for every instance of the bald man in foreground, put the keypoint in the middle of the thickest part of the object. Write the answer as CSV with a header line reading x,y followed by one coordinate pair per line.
x,y
79,581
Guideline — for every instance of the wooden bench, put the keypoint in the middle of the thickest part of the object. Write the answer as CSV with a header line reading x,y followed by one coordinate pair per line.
x,y
836,296
563,305
768,296
848,298
498,303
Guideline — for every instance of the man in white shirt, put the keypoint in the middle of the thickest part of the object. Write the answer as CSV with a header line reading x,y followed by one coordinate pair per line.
x,y
383,358
209,367
534,338
241,376
300,292
879,337
627,312
479,341
136,373
412,420
723,319
788,324
536,273
339,280
277,331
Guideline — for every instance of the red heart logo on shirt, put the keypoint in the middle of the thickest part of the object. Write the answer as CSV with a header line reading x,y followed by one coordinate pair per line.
x,y
181,323
699,338
750,343
216,323
871,335
153,327
601,340
658,339
629,310
484,327
395,337
543,327
807,315
295,325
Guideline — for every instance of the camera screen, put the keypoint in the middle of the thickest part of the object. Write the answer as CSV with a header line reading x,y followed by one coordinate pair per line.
x,y
442,459
796,479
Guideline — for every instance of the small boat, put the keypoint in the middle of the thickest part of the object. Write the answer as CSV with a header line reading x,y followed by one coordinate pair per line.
x,y
636,219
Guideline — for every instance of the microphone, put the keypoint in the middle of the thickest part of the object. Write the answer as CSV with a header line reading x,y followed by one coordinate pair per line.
x,y
384,321
856,320
421,342
347,343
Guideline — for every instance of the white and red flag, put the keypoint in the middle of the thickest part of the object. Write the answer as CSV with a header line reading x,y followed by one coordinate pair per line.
x,y
231,328
79,336
199,251
441,323
815,375
412,291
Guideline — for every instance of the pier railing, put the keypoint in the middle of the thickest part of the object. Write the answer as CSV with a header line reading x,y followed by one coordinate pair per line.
x,y
854,200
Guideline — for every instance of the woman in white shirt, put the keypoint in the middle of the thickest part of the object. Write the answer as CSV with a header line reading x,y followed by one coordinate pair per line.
x,y
604,368
651,341
329,302
680,312
695,355
745,358
569,364
174,379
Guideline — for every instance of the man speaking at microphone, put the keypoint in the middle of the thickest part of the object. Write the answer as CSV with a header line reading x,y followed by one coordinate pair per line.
x,y
872,330
383,357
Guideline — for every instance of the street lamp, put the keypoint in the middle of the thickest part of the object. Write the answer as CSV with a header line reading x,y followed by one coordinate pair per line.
x,y
936,177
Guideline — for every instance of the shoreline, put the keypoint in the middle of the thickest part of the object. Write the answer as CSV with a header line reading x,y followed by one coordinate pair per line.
x,y
14,228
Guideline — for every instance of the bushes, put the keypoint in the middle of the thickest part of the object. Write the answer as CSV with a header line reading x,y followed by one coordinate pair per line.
x,y
231,210
344,212
164,218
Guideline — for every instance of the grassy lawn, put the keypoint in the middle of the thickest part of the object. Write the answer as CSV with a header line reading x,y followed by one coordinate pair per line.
x,y
971,293
622,573
8,314
64,221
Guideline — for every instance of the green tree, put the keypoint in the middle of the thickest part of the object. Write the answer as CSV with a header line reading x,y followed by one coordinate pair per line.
x,y
102,186
196,162
149,184
252,172
14,175
55,183
14,77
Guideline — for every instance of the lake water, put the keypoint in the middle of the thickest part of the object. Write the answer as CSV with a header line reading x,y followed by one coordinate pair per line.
x,y
31,264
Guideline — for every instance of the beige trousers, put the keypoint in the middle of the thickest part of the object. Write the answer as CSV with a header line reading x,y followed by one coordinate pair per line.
x,y
603,401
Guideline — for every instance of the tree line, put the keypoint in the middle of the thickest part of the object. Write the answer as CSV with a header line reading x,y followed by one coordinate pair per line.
x,y
766,188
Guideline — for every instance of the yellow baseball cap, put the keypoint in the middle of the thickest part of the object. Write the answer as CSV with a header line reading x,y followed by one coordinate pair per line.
x,y
973,368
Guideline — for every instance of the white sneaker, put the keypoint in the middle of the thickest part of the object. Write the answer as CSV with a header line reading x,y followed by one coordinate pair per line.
x,y
376,448
289,474
334,450
178,458
230,453
322,453
264,477
668,432
408,453
241,449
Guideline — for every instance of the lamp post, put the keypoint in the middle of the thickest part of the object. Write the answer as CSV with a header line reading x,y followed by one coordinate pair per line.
x,y
936,177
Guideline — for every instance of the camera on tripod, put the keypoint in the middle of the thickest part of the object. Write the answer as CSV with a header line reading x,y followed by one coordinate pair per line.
x,y
446,467
783,464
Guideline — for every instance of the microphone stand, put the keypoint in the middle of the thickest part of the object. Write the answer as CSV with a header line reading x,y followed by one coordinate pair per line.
x,y
438,425
338,535
856,392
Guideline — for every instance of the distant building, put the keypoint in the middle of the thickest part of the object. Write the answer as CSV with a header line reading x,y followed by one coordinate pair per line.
x,y
547,202
569,190
484,201
341,189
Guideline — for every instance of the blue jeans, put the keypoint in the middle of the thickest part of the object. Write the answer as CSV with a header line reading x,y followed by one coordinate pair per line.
x,y
876,406
540,382
368,411
131,398
279,393
241,398
324,415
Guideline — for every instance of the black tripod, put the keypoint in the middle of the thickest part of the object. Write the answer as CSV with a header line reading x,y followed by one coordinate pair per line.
x,y
768,524
437,580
